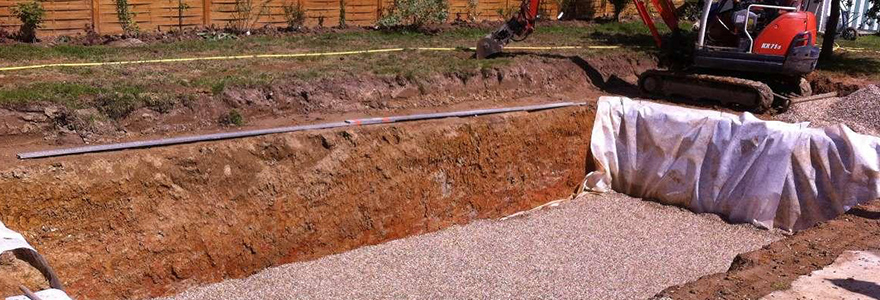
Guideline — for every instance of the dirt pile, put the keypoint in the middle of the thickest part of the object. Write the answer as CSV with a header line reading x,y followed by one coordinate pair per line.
x,y
153,222
859,110
755,274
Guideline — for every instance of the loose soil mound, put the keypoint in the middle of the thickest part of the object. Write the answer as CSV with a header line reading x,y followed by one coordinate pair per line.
x,y
153,222
758,273
15,272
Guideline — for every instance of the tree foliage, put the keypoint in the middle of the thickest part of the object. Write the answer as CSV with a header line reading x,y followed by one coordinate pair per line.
x,y
31,15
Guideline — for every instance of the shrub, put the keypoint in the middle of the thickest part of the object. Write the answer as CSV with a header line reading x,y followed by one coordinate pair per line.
x,y
294,14
507,12
246,14
126,17
690,10
565,7
415,13
118,105
31,15
471,10
233,118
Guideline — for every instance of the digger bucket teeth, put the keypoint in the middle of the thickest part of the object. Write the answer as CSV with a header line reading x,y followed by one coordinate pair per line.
x,y
488,46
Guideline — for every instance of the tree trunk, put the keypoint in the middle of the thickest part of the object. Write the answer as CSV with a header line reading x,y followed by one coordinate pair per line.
x,y
830,32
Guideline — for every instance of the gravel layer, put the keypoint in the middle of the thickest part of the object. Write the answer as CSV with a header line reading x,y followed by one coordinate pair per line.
x,y
860,111
594,247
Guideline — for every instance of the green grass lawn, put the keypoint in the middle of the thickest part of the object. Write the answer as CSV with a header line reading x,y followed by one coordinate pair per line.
x,y
20,54
862,61
118,89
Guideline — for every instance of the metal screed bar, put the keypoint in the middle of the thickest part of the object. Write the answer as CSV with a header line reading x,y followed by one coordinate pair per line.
x,y
250,133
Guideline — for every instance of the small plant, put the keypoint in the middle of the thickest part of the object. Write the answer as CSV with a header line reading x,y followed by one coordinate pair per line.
x,y
246,14
321,21
181,8
233,118
294,15
31,15
118,105
415,13
471,10
689,10
506,12
341,13
126,17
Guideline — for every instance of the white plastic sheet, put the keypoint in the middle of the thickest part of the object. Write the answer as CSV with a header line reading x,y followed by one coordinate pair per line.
x,y
49,294
11,240
768,173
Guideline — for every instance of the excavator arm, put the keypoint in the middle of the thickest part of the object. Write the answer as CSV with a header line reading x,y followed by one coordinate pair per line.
x,y
516,29
521,25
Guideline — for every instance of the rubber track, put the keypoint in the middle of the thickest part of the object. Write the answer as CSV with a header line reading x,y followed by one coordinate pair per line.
x,y
722,84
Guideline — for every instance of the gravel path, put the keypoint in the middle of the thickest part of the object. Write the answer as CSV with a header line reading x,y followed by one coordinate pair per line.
x,y
594,247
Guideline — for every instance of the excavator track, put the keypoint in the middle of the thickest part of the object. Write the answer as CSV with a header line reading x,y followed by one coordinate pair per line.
x,y
746,93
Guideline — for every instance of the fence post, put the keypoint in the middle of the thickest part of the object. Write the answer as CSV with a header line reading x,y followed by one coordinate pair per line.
x,y
206,12
96,16
378,10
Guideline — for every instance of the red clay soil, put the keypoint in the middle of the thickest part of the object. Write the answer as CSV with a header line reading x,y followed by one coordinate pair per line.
x,y
843,85
153,222
755,274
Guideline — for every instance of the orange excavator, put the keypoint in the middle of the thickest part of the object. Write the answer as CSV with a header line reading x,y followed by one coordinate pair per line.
x,y
746,53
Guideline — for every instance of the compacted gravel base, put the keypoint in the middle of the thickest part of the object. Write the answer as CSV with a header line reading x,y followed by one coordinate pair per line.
x,y
859,110
605,246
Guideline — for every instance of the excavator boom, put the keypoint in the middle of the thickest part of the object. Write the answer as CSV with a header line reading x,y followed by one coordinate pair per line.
x,y
523,23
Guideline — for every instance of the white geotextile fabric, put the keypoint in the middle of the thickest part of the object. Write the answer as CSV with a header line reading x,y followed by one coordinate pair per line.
x,y
768,173
48,294
11,240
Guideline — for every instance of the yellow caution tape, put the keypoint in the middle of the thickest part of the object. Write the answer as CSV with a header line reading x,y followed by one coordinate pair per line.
x,y
284,55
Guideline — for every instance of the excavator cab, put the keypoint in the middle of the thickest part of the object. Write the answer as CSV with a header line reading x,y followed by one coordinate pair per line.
x,y
747,53
773,37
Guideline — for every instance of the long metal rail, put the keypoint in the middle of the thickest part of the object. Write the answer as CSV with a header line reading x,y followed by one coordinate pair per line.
x,y
251,133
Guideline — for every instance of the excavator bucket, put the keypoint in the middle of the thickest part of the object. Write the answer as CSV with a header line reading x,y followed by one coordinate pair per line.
x,y
488,46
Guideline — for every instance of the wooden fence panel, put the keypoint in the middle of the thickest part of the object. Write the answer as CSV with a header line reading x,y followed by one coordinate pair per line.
x,y
62,16
66,17
150,15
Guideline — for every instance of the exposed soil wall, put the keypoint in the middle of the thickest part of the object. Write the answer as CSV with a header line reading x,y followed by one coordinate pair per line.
x,y
151,222
529,78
